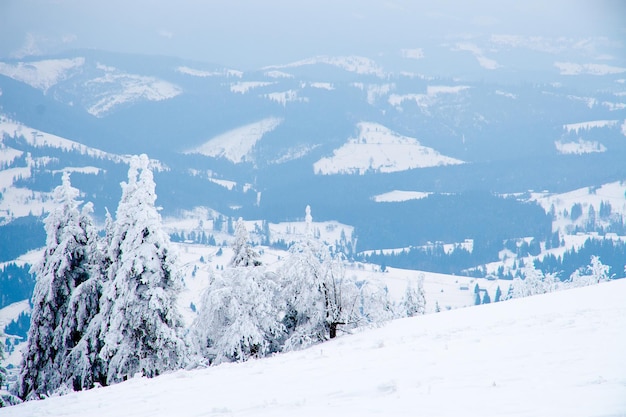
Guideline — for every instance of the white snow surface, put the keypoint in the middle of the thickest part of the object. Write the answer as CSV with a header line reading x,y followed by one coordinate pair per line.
x,y
41,74
398,195
243,87
357,64
380,149
236,145
580,147
478,53
570,68
584,126
558,354
203,74
116,88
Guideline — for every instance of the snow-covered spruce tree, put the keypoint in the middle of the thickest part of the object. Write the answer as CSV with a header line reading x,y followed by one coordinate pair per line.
x,y
66,265
318,296
414,301
594,273
141,327
243,254
238,315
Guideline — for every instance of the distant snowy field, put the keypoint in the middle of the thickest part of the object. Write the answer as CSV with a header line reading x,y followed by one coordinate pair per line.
x,y
559,354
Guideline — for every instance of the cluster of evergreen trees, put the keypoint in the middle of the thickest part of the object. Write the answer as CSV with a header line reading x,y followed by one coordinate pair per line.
x,y
104,307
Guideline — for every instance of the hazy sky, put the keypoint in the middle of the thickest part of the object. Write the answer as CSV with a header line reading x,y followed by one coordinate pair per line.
x,y
249,34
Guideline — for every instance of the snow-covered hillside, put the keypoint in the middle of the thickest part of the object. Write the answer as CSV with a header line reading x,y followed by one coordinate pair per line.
x,y
237,145
380,149
559,354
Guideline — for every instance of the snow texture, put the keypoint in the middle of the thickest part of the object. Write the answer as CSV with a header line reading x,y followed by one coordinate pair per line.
x,y
559,354
377,148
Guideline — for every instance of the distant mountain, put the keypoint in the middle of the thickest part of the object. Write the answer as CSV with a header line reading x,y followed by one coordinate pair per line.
x,y
333,132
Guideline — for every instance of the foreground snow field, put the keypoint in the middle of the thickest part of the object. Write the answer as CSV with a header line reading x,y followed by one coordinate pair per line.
x,y
559,354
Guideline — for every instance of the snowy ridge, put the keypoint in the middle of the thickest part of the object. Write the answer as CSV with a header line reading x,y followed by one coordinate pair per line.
x,y
40,139
41,74
203,74
487,360
425,100
570,68
236,145
377,148
356,64
116,88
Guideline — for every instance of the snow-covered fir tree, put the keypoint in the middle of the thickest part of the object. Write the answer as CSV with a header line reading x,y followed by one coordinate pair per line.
x,y
414,300
595,273
67,263
238,316
318,296
243,254
142,331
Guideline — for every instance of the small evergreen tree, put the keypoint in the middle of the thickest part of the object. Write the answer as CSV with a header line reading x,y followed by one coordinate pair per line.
x,y
414,301
498,295
486,298
141,328
66,264
243,254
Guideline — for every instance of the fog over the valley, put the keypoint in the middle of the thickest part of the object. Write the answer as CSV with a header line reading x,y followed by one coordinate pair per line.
x,y
250,34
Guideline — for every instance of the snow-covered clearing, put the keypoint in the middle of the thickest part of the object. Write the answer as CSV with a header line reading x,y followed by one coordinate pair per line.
x,y
613,193
243,87
378,148
236,145
559,354
425,100
595,124
41,74
570,68
116,88
398,195
356,64
580,147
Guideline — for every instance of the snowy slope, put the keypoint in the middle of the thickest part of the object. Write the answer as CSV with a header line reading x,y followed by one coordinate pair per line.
x,y
236,145
380,149
559,354
613,193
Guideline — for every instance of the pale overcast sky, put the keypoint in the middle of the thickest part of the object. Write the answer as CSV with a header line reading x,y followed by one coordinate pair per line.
x,y
249,34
